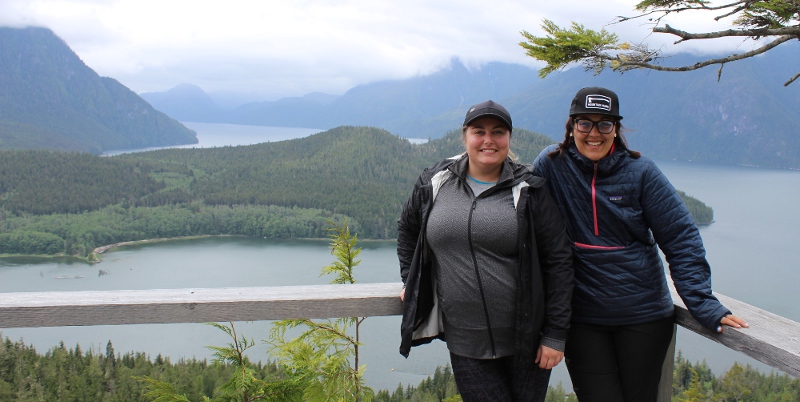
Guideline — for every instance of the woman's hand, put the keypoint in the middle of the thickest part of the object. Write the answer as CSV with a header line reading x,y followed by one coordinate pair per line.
x,y
732,321
548,357
403,295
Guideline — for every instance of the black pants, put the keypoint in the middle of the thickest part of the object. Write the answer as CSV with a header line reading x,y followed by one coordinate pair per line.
x,y
498,380
617,363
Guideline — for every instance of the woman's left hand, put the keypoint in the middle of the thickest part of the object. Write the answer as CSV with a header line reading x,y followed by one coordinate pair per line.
x,y
548,357
732,321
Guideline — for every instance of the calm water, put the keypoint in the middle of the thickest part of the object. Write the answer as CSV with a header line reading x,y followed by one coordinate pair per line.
x,y
215,262
211,135
750,247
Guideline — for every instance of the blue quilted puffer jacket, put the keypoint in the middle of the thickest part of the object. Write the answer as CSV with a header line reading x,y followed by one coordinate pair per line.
x,y
619,211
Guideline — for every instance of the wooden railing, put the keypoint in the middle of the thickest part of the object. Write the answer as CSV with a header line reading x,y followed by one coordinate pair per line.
x,y
771,339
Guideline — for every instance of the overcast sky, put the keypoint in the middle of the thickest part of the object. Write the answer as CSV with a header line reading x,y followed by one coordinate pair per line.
x,y
276,48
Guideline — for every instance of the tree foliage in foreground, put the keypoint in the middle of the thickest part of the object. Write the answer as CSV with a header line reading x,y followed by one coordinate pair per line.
x,y
778,21
72,374
325,355
244,381
321,363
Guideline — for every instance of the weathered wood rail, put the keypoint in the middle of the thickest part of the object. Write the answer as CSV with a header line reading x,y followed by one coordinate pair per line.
x,y
771,339
162,306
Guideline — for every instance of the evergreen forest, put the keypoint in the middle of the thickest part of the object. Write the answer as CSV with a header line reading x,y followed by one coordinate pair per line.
x,y
69,203
72,374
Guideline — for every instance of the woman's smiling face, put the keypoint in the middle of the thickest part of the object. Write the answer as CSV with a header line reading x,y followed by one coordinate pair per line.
x,y
593,144
487,140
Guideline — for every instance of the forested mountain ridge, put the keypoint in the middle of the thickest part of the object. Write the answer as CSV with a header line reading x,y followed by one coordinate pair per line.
x,y
71,203
50,99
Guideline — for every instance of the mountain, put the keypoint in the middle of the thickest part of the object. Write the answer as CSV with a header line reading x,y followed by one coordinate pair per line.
x,y
310,109
419,107
186,102
424,106
747,117
50,99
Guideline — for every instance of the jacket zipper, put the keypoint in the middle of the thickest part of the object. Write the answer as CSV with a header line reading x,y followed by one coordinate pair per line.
x,y
594,193
594,201
480,281
594,215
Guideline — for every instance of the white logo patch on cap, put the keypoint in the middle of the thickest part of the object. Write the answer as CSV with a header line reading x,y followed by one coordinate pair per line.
x,y
598,102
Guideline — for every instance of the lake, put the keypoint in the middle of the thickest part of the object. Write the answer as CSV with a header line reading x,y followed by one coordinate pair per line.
x,y
751,247
210,135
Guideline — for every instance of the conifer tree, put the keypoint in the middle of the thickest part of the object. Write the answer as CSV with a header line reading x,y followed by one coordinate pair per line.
x,y
321,355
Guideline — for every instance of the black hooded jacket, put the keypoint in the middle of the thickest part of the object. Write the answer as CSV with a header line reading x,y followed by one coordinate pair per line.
x,y
545,272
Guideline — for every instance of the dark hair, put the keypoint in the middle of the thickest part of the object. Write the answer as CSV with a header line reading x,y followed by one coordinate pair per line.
x,y
619,140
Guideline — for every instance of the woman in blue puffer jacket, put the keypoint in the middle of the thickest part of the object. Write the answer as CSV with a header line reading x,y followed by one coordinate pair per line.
x,y
619,210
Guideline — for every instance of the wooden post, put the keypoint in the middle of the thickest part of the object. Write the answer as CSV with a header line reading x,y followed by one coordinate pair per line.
x,y
665,385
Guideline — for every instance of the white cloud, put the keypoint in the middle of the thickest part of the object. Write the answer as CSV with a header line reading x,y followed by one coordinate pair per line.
x,y
273,49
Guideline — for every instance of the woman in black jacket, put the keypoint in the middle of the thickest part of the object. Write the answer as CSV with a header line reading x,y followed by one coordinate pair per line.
x,y
619,210
486,262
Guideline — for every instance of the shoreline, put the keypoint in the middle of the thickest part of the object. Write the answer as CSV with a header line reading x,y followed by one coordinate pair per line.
x,y
102,249
96,255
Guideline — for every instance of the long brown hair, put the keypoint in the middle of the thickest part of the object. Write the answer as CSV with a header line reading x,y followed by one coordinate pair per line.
x,y
619,140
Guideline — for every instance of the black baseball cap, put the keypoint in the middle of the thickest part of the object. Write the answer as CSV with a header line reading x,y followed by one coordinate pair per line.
x,y
489,108
595,100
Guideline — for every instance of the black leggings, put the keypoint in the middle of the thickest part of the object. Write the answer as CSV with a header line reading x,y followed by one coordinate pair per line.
x,y
620,363
499,380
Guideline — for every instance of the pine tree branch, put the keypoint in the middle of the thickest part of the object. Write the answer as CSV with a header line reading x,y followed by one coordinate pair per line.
x,y
648,10
791,32
709,62
734,11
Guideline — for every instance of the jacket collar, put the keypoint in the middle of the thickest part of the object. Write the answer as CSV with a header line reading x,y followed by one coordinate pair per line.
x,y
510,174
605,165
513,175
